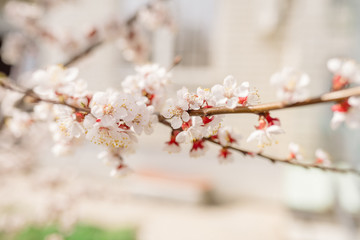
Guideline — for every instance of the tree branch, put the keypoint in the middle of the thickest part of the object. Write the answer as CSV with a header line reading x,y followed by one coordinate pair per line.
x,y
162,120
36,98
266,107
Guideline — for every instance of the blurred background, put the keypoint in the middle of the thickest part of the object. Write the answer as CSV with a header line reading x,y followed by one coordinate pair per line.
x,y
175,196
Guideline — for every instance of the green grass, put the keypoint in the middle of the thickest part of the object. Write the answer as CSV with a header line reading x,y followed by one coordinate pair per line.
x,y
81,232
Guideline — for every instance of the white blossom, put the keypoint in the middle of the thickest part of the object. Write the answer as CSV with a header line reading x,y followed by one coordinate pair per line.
x,y
225,156
230,93
144,120
19,123
194,101
210,125
110,107
227,136
55,80
291,85
322,157
345,68
69,121
264,133
176,112
347,111
191,131
172,146
294,150
149,82
198,149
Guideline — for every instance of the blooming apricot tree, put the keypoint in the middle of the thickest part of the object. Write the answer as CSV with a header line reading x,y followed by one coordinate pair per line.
x,y
116,118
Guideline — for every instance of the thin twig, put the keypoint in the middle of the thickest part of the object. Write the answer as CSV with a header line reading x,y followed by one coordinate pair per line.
x,y
129,22
84,53
36,98
175,62
266,107
276,160
290,162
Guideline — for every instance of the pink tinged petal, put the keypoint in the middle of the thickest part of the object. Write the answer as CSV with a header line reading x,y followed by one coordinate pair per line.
x,y
196,121
200,92
231,103
195,106
294,148
172,148
348,69
185,116
218,91
184,105
138,128
353,118
221,102
255,135
319,153
354,102
97,111
76,130
176,122
274,129
182,92
167,112
92,133
303,81
128,118
243,90
194,133
120,113
99,98
229,82
108,120
337,119
71,74
181,137
89,121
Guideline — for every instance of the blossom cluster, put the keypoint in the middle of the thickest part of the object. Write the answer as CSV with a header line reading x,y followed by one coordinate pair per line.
x,y
149,84
195,129
291,85
346,72
321,157
111,118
